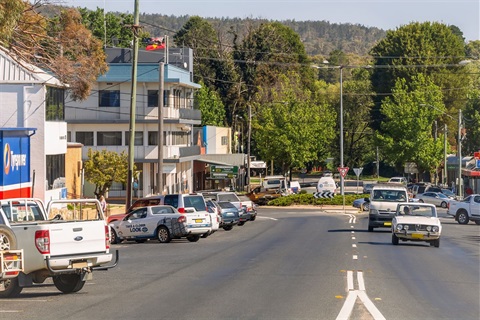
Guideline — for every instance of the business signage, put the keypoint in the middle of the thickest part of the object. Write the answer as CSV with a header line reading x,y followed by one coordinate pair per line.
x,y
15,175
223,172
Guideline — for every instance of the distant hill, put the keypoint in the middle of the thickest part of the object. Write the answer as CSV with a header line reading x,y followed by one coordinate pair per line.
x,y
319,37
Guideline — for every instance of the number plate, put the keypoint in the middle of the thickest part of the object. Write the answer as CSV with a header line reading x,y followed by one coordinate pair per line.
x,y
417,236
198,220
387,224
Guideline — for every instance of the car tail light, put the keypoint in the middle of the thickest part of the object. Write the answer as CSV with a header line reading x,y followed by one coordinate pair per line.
x,y
181,210
11,257
448,205
182,219
107,237
42,241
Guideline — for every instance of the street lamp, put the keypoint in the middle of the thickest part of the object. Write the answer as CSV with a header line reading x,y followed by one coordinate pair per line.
x,y
248,144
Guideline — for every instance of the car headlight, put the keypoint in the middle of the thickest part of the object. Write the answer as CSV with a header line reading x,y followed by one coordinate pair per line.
x,y
406,227
429,228
435,229
399,227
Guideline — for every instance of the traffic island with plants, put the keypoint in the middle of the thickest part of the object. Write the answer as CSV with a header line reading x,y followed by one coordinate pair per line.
x,y
309,199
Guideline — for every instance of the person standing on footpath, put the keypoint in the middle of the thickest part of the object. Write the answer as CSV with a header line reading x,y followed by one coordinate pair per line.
x,y
103,204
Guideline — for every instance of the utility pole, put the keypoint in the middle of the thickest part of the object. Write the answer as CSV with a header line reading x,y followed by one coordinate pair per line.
x,y
459,147
160,126
133,106
435,139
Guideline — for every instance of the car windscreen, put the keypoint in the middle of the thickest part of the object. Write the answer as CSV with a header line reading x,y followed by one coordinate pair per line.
x,y
389,195
196,202
22,212
226,205
227,197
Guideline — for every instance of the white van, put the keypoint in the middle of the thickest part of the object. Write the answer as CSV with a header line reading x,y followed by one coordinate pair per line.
x,y
326,184
273,182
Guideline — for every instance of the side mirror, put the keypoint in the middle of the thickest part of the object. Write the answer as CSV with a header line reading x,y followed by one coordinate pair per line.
x,y
366,200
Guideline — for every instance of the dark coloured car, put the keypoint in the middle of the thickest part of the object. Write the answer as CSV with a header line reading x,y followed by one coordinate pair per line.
x,y
227,211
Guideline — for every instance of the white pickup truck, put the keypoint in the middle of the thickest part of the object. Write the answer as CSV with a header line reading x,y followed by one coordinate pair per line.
x,y
11,260
67,241
466,209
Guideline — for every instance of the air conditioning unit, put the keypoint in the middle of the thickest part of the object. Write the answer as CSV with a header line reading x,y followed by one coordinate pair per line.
x,y
186,128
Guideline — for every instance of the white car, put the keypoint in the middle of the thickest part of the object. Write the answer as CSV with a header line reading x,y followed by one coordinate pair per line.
x,y
401,180
436,198
161,222
416,222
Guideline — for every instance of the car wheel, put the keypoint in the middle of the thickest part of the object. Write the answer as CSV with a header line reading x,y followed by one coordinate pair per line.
x,y
163,235
8,241
462,217
205,235
193,238
370,229
366,207
113,237
421,201
253,218
68,283
436,243
394,239
228,228
12,289
241,223
443,205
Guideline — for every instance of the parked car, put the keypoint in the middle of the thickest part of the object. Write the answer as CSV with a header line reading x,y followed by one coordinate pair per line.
x,y
229,213
449,193
161,222
436,198
143,202
416,222
11,259
192,202
401,180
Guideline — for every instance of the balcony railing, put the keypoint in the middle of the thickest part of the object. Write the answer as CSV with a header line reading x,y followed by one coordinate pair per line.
x,y
149,152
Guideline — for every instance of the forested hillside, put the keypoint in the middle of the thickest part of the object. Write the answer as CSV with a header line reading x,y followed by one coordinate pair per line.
x,y
318,37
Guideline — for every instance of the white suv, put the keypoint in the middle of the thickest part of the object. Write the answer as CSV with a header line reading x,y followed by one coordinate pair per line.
x,y
192,202
401,180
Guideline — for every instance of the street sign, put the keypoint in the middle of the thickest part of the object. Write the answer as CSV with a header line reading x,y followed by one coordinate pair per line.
x,y
325,194
223,172
358,171
478,163
343,171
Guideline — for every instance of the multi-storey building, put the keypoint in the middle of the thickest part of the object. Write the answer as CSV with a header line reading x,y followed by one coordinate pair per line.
x,y
102,120
31,98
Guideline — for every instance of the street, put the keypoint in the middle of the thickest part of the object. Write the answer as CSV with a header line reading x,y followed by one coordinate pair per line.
x,y
291,263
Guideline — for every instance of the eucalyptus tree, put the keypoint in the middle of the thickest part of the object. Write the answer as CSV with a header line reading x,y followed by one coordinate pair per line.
x,y
210,105
431,48
406,133
290,125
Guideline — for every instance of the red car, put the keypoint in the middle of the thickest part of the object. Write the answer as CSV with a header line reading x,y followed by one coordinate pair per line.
x,y
143,202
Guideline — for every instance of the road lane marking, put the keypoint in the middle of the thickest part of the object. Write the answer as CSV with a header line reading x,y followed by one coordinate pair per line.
x,y
349,303
274,219
352,219
355,257
354,245
350,280
353,238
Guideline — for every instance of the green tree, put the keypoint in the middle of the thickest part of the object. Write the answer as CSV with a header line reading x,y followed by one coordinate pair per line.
x,y
429,48
104,167
407,129
211,106
471,121
268,51
289,125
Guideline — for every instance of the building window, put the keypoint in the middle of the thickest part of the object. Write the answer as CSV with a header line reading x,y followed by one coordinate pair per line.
x,y
109,98
69,136
55,171
138,138
152,98
180,138
84,137
224,140
177,94
110,138
55,104
153,138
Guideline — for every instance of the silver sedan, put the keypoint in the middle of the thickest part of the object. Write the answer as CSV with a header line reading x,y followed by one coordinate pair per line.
x,y
436,198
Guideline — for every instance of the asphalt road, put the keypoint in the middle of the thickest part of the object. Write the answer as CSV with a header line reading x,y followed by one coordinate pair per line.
x,y
288,264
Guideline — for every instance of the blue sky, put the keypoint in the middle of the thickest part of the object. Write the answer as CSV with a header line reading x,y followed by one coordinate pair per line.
x,y
384,14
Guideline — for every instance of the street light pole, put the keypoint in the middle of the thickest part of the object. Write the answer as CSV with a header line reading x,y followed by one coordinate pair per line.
x,y
341,134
